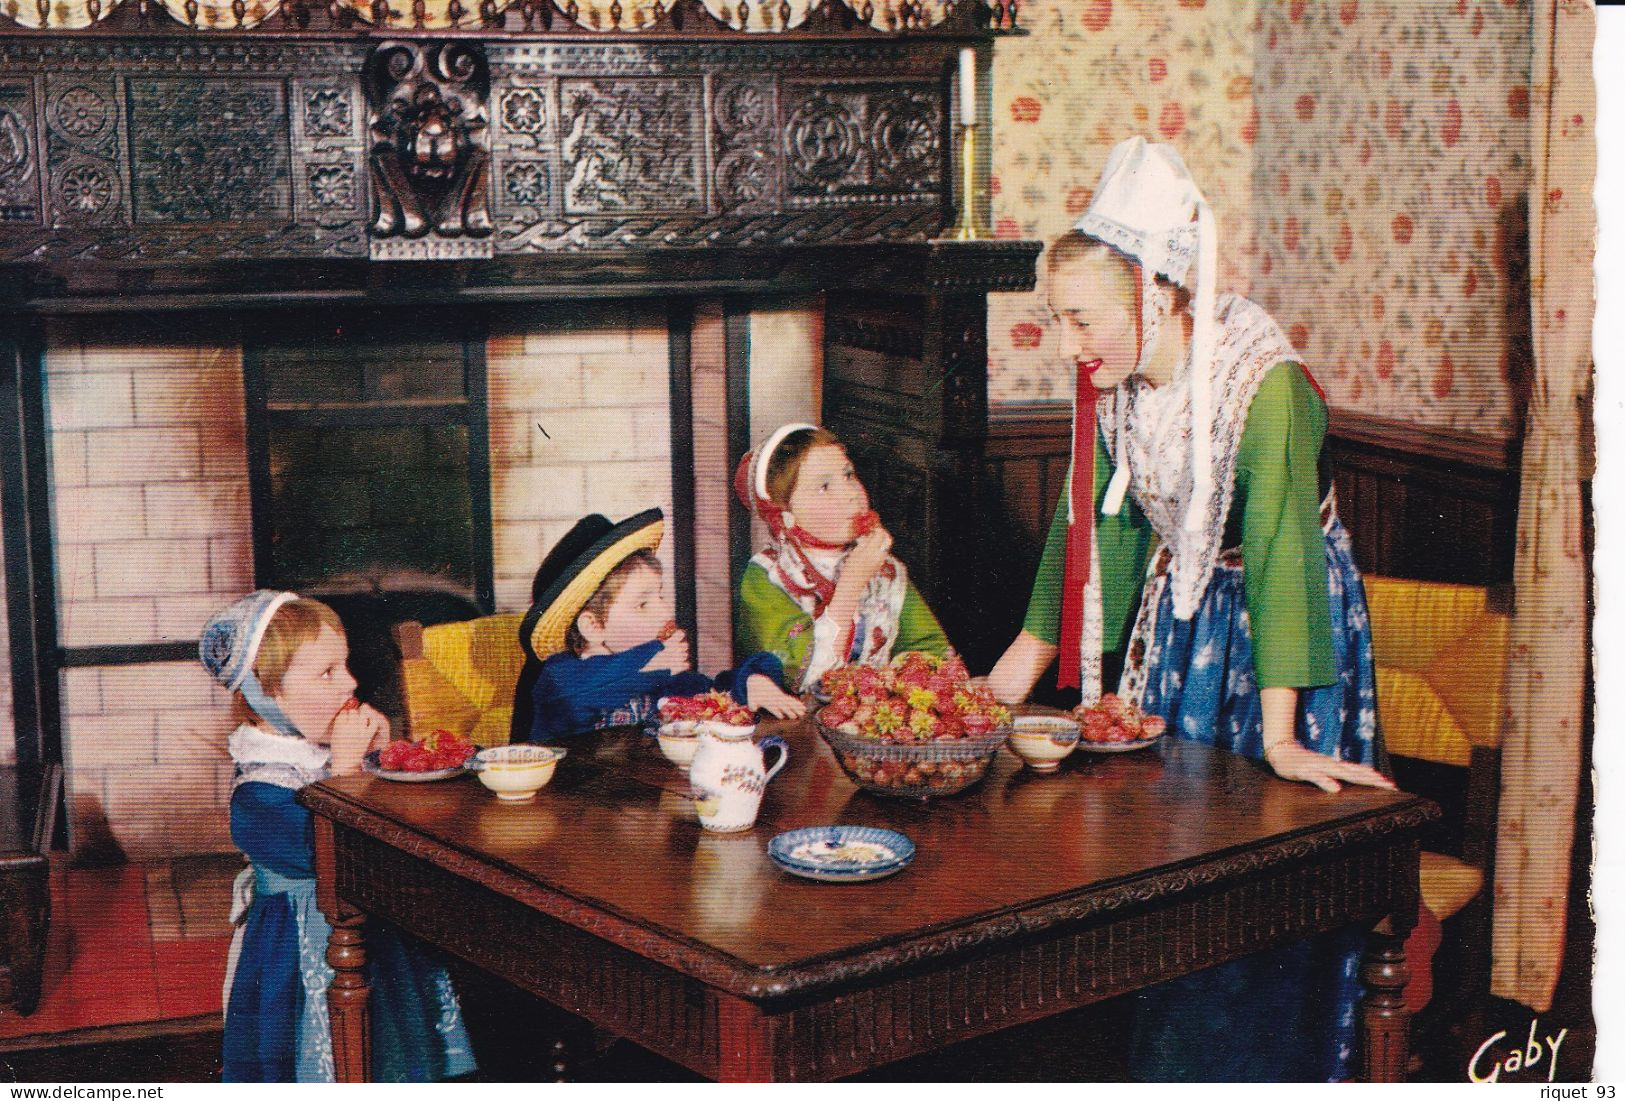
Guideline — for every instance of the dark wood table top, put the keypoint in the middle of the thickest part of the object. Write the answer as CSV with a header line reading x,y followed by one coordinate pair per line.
x,y
613,846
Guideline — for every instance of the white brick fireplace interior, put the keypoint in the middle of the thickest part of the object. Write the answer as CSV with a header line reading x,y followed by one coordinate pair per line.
x,y
152,527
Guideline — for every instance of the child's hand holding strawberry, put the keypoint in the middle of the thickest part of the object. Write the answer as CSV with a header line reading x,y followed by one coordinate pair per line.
x,y
357,730
673,655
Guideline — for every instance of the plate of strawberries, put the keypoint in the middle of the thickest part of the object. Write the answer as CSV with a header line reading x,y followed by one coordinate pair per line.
x,y
440,756
1116,725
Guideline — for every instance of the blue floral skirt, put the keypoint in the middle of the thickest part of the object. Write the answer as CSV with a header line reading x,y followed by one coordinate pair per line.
x,y
1285,1014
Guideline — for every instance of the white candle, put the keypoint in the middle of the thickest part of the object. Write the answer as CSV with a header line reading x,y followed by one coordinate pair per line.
x,y
967,86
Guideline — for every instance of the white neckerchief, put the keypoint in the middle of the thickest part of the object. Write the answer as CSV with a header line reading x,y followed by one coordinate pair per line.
x,y
875,621
1147,429
267,758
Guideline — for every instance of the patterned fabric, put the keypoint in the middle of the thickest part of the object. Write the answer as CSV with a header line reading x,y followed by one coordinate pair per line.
x,y
873,626
276,1027
278,759
231,641
1148,430
1198,675
1540,760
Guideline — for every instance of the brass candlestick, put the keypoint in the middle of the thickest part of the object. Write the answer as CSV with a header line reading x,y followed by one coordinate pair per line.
x,y
967,228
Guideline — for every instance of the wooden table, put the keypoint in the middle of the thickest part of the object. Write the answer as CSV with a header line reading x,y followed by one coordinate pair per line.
x,y
1029,896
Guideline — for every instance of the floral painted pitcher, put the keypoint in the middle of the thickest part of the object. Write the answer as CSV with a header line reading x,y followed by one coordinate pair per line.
x,y
729,774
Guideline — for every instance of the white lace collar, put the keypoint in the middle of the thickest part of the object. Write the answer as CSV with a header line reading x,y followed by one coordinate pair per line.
x,y
264,757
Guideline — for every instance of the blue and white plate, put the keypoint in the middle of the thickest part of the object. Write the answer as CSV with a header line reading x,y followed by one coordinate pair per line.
x,y
841,854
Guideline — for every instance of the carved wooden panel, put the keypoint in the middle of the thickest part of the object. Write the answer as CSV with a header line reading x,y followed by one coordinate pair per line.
x,y
632,146
209,150
674,1015
158,150
327,168
747,175
83,127
848,144
19,163
524,149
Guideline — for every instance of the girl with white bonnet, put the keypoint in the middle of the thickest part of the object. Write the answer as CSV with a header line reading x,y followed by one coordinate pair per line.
x,y
1199,539
284,658
826,591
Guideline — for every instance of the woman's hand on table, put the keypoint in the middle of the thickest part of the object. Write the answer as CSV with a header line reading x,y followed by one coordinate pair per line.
x,y
357,731
761,694
1292,761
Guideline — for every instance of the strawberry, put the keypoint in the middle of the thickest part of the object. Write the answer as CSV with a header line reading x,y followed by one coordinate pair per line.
x,y
865,523
668,630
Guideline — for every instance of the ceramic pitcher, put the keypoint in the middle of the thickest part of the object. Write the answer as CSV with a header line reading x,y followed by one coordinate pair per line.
x,y
729,774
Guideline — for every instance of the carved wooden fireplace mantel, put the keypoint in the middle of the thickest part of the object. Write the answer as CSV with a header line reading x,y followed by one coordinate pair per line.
x,y
160,159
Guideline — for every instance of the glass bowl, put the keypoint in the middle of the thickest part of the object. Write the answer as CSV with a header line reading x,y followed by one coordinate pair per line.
x,y
913,770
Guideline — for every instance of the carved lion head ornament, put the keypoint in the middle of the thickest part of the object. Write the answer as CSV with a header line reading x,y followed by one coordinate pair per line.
x,y
429,126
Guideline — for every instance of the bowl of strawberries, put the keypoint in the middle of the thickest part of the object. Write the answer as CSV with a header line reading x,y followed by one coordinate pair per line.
x,y
1116,725
681,718
916,728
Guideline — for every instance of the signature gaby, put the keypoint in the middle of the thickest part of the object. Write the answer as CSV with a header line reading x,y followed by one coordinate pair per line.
x,y
1488,1063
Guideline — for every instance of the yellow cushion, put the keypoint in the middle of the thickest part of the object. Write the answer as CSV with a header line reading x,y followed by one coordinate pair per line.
x,y
465,680
1440,657
1412,620
1468,674
492,727
433,702
1416,722
1448,884
481,657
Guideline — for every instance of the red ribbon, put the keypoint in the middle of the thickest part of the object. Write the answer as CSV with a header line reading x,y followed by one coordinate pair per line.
x,y
1079,531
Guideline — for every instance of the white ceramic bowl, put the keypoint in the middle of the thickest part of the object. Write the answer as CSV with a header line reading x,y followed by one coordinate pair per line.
x,y
516,772
678,741
1043,741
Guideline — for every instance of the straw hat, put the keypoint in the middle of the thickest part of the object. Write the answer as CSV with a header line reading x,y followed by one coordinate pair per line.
x,y
574,569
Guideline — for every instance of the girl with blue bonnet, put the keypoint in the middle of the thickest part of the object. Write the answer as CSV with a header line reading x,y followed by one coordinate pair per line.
x,y
1198,538
284,660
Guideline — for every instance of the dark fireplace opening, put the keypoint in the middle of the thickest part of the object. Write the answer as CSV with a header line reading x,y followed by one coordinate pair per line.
x,y
369,468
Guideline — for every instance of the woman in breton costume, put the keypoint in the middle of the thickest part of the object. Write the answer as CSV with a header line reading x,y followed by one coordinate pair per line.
x,y
1199,539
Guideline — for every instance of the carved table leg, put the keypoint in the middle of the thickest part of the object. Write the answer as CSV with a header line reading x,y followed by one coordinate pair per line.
x,y
347,997
747,1044
1385,1022
346,955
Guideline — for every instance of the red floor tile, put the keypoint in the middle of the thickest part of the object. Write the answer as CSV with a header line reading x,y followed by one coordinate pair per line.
x,y
170,953
192,975
123,1007
90,953
88,984
102,965
189,1002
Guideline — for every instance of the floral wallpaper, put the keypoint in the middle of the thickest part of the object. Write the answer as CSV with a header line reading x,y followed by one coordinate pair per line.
x,y
1367,160
1089,74
1389,202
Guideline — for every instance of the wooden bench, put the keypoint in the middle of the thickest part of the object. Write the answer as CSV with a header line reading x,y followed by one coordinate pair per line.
x,y
26,819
